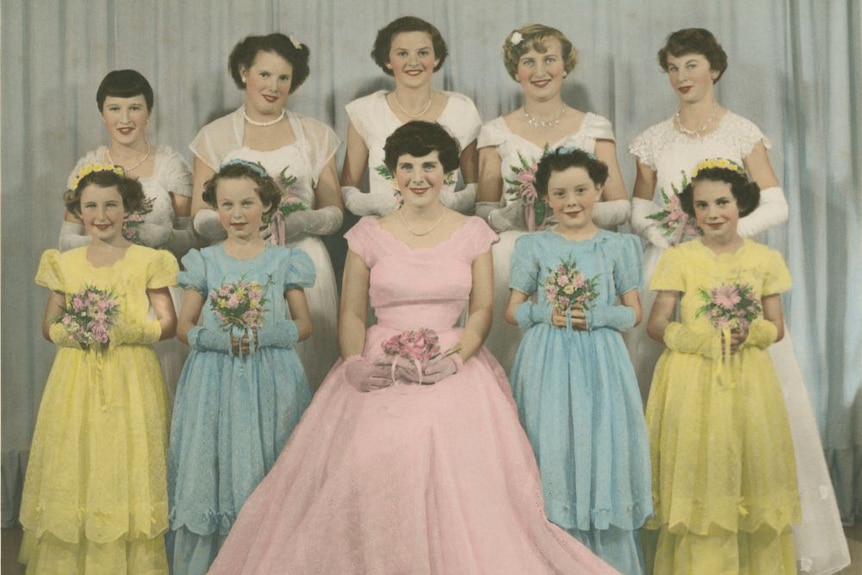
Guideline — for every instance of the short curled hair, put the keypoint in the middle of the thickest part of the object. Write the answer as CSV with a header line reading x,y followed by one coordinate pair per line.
x,y
243,54
562,159
420,138
124,84
383,42
533,36
694,41
130,190
267,189
745,192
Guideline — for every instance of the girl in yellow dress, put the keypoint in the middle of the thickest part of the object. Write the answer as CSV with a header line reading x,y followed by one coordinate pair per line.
x,y
95,495
724,476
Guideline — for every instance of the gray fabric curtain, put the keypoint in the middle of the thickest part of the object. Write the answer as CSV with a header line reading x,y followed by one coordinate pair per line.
x,y
795,70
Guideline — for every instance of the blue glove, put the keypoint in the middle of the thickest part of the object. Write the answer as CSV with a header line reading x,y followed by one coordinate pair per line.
x,y
203,339
618,317
278,333
531,313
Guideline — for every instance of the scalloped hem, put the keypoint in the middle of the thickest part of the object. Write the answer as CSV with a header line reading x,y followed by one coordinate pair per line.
x,y
73,526
203,524
47,554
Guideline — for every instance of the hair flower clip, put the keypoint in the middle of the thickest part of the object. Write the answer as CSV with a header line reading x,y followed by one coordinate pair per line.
x,y
296,43
88,169
516,38
722,163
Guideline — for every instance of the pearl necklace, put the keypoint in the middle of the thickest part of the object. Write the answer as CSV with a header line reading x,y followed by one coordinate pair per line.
x,y
698,132
132,169
262,124
542,124
414,232
408,114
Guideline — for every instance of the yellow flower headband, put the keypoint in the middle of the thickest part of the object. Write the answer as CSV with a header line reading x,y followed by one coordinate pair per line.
x,y
718,163
92,168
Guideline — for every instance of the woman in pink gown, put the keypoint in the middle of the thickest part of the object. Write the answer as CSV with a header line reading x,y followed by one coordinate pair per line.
x,y
416,467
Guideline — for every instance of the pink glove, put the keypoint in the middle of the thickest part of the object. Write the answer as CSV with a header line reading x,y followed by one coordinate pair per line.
x,y
366,376
435,370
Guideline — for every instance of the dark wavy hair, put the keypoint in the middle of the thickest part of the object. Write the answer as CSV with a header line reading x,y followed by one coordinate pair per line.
x,y
562,159
533,36
420,138
267,189
745,192
130,190
383,42
293,51
695,41
124,84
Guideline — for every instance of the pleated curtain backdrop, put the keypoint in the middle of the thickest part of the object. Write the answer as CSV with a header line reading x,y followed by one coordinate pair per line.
x,y
795,69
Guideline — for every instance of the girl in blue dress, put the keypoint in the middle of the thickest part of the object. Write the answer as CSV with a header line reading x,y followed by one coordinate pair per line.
x,y
576,390
243,387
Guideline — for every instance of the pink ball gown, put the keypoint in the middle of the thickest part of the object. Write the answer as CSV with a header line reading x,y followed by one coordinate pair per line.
x,y
411,478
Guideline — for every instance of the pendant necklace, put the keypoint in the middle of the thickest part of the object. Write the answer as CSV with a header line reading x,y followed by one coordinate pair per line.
x,y
125,169
414,232
542,124
698,132
408,114
262,124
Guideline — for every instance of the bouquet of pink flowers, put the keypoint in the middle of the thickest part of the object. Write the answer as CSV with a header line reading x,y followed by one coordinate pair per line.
x,y
88,316
730,306
135,219
416,345
565,286
523,186
674,223
239,305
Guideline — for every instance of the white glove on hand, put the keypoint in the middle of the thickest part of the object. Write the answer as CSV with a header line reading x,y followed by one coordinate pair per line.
x,y
372,204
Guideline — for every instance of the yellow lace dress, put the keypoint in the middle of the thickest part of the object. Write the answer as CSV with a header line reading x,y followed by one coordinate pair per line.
x,y
95,495
723,469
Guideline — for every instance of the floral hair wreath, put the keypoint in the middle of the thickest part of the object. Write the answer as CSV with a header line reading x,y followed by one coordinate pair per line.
x,y
720,163
255,167
92,168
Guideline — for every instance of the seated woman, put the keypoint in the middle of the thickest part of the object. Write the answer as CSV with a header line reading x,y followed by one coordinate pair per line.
x,y
410,458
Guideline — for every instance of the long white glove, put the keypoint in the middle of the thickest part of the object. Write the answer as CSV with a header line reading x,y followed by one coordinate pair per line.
x,y
460,201
208,227
321,222
611,213
771,210
510,217
643,226
182,236
152,235
72,236
371,204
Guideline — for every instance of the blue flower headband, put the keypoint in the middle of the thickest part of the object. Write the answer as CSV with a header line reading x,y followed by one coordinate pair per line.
x,y
255,167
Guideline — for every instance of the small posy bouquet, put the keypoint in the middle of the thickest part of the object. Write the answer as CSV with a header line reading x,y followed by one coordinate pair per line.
x,y
522,185
730,306
674,223
88,316
566,287
416,345
239,305
135,219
